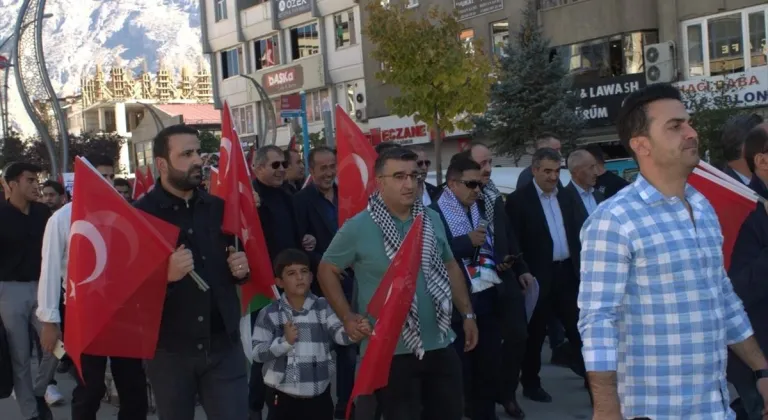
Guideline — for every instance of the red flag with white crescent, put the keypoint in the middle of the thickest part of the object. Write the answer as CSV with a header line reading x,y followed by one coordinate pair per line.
x,y
213,182
389,306
150,178
139,185
732,203
117,272
356,157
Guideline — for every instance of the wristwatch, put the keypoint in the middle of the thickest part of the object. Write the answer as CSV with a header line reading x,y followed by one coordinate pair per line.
x,y
469,316
760,374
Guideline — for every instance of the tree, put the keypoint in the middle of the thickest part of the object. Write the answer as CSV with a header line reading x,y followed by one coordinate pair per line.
x,y
13,150
710,109
209,142
85,144
533,94
443,80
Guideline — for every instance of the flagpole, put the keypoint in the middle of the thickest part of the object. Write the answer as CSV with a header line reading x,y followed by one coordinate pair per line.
x,y
751,195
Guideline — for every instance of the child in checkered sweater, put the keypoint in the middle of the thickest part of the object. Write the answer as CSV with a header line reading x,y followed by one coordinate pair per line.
x,y
293,338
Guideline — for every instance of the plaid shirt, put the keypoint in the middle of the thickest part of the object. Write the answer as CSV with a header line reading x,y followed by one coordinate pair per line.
x,y
303,369
656,304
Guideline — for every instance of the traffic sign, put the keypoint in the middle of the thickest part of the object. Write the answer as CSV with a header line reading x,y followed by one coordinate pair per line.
x,y
291,113
4,63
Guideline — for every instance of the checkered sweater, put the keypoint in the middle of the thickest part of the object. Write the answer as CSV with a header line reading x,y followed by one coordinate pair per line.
x,y
305,368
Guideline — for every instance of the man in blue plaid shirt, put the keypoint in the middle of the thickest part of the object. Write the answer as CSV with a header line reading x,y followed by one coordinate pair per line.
x,y
657,308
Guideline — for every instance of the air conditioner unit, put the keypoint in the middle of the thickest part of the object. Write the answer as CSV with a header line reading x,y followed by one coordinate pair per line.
x,y
361,114
360,101
660,63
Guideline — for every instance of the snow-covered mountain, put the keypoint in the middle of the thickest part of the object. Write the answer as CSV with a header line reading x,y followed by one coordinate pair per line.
x,y
84,33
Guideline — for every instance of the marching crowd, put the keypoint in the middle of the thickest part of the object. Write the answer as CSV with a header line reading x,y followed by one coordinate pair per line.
x,y
630,283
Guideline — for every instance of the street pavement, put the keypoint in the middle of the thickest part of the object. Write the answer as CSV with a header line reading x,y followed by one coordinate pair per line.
x,y
570,399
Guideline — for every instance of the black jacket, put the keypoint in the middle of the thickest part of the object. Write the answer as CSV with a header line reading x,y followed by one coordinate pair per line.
x,y
189,314
311,219
278,219
599,198
432,191
529,223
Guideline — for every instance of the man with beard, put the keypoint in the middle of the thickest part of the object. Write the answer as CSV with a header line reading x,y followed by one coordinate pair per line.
x,y
198,351
54,195
429,192
128,373
281,232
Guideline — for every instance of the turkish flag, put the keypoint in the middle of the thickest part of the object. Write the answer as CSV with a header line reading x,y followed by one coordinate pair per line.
x,y
390,305
241,217
140,186
731,203
356,157
213,182
117,272
150,179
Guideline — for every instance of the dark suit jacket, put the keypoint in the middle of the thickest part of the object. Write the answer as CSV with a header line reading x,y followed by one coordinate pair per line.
x,y
432,191
599,198
749,263
275,223
732,172
310,206
529,224
526,177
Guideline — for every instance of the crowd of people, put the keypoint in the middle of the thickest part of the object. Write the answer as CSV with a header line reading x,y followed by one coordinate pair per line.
x,y
632,290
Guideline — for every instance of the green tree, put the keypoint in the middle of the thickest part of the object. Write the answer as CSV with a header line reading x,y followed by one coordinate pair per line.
x,y
710,109
533,94
209,142
85,144
13,149
442,80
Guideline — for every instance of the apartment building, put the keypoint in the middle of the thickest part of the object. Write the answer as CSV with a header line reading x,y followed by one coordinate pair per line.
x,y
287,46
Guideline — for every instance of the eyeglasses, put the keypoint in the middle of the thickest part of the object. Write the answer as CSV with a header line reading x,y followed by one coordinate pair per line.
x,y
472,184
277,165
424,163
400,177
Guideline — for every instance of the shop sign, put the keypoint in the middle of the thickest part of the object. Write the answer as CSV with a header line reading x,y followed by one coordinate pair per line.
x,y
746,89
284,80
403,131
468,9
600,101
289,8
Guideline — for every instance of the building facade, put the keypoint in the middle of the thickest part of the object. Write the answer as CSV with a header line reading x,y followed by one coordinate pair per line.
x,y
611,48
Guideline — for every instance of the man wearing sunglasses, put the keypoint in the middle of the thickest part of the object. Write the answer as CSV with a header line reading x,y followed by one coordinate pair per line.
x,y
429,192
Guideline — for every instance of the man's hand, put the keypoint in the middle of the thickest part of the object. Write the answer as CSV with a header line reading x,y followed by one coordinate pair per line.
x,y
607,416
238,263
354,326
50,336
477,236
526,280
308,242
180,264
470,334
290,332
506,264
762,388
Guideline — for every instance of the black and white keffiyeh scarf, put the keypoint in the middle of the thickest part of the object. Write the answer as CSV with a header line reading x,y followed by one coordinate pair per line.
x,y
432,266
490,194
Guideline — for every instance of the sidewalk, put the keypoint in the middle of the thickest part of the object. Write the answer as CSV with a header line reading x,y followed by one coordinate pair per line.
x,y
570,399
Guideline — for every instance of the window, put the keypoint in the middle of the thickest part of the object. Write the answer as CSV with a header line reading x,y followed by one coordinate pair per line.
x,y
466,36
278,120
730,42
220,9
412,3
499,37
231,62
144,154
305,41
243,118
548,4
344,29
250,3
605,57
267,52
315,105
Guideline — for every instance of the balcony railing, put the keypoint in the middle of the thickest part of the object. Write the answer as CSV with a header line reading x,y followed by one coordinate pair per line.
x,y
548,4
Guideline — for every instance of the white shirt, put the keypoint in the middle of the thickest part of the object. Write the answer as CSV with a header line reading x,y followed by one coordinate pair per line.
x,y
587,197
425,197
54,266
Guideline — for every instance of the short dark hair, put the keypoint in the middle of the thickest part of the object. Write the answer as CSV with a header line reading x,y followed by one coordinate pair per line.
x,y
14,170
55,186
467,154
287,154
160,147
121,182
97,160
633,119
288,257
597,152
381,147
459,165
543,137
393,153
315,151
260,157
755,143
735,133
545,153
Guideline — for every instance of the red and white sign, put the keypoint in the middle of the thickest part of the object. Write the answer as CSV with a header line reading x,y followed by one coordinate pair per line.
x,y
399,130
746,89
4,63
283,80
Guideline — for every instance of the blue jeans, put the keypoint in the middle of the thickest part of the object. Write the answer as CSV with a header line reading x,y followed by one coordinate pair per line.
x,y
751,399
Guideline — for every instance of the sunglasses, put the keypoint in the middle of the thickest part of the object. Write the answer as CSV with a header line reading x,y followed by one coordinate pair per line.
x,y
277,165
108,176
424,163
472,184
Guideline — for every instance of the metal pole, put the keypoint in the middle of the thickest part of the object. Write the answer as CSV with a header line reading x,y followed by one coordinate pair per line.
x,y
305,129
269,111
24,94
158,122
